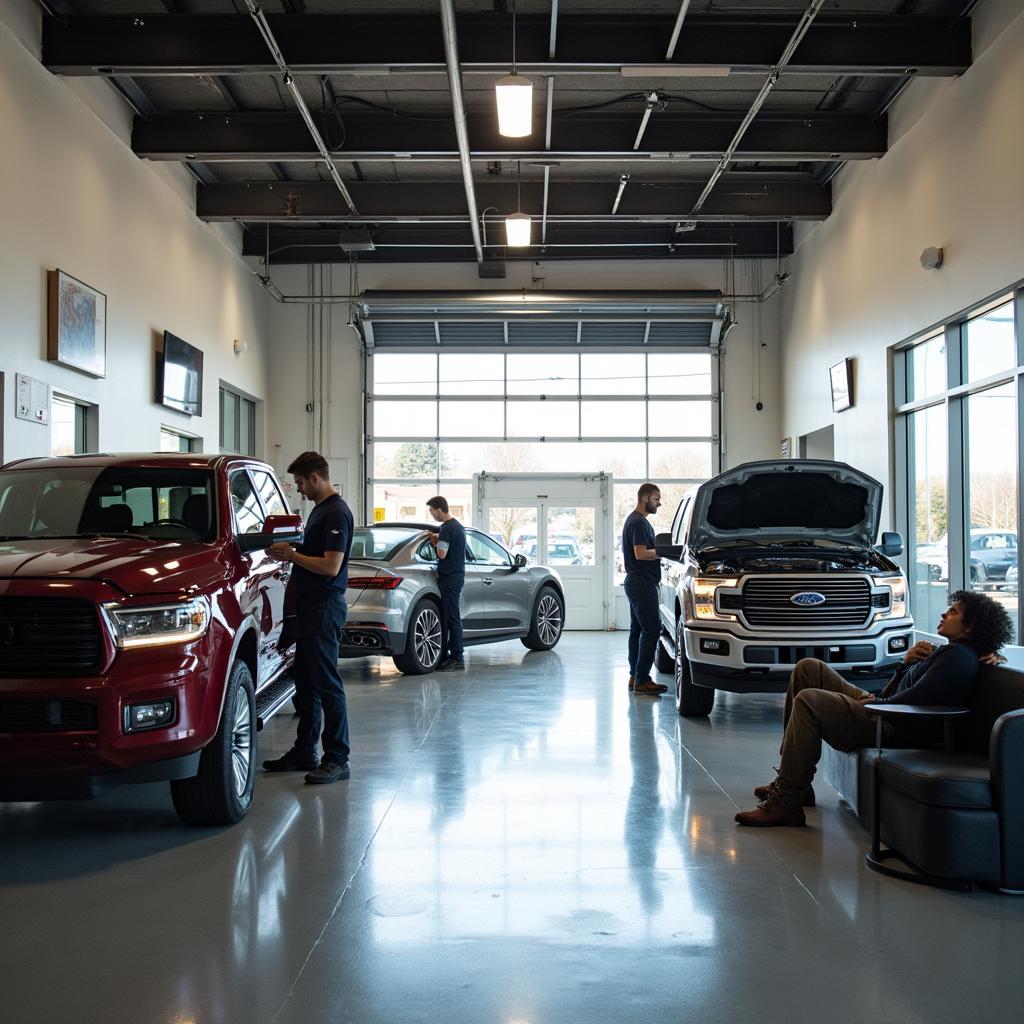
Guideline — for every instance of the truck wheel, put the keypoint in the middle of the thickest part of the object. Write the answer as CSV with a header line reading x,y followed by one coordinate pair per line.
x,y
691,701
546,621
663,661
221,793
423,641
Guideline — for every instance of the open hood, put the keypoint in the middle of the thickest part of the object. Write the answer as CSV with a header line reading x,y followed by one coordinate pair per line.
x,y
771,502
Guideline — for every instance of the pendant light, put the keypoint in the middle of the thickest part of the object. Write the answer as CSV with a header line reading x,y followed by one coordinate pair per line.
x,y
514,97
517,225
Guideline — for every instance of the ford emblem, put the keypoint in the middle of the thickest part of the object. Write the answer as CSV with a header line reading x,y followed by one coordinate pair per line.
x,y
807,599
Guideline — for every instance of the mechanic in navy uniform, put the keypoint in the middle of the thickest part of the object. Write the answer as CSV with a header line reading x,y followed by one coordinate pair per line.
x,y
450,544
320,577
643,574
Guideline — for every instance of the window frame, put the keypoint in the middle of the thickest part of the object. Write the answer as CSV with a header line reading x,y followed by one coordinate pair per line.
x,y
226,393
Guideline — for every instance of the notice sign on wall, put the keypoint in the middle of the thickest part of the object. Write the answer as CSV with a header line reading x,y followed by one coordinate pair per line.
x,y
379,515
32,401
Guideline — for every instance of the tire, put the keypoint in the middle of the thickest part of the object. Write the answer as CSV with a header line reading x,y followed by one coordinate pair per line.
x,y
221,793
691,701
546,621
663,661
423,640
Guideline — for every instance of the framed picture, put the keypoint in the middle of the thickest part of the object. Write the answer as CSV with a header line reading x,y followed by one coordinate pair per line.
x,y
841,376
76,330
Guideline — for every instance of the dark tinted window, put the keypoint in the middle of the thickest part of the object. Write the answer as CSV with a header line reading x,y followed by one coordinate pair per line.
x,y
380,544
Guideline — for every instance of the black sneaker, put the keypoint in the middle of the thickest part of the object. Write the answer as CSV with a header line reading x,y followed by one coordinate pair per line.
x,y
293,761
452,665
329,771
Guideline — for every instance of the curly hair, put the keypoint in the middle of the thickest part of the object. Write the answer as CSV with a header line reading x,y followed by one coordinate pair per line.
x,y
991,626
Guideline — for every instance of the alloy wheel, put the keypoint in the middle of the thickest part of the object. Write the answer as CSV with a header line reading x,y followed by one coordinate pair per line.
x,y
241,742
426,637
549,618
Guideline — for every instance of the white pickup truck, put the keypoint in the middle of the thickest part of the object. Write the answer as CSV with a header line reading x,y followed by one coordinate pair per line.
x,y
772,562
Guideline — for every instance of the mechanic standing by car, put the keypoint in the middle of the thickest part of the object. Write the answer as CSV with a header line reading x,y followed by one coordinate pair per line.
x,y
643,574
319,576
450,544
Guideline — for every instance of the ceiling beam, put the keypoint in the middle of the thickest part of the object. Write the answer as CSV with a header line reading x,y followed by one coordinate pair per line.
x,y
744,198
454,243
279,135
336,43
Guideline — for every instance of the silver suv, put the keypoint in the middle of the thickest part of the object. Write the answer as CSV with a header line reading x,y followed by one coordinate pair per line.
x,y
772,562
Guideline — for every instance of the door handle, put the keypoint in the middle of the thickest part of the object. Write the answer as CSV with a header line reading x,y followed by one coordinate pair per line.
x,y
488,582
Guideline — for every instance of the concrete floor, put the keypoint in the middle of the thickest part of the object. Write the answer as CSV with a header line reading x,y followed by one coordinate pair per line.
x,y
524,843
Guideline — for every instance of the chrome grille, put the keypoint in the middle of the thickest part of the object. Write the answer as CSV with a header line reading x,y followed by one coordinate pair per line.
x,y
766,602
48,636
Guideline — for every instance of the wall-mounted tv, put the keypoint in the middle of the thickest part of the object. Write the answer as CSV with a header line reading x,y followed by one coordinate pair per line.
x,y
179,382
841,379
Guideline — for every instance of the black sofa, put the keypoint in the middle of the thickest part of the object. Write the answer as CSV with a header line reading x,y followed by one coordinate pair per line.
x,y
958,814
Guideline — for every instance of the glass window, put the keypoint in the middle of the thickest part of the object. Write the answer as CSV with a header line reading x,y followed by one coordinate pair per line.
x,y
405,419
515,526
690,461
246,506
928,554
172,441
407,503
679,373
270,493
570,536
543,419
407,373
927,369
484,551
990,344
543,374
992,496
612,373
472,419
468,373
67,426
228,420
611,419
380,543
246,427
679,419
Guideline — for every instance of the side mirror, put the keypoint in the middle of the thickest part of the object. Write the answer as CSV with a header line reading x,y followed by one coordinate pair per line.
x,y
891,546
286,528
518,562
664,548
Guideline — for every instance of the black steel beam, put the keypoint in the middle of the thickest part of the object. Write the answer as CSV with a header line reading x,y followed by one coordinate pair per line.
x,y
278,135
736,198
325,43
454,243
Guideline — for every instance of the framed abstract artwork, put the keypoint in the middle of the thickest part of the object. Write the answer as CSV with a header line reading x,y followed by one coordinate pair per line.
x,y
76,333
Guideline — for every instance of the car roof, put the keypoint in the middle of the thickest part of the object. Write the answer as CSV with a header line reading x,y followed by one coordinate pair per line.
x,y
194,460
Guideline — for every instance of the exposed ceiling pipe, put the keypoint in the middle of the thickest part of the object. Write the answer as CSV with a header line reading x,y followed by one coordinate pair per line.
x,y
451,54
803,25
547,123
680,17
289,80
653,100
623,181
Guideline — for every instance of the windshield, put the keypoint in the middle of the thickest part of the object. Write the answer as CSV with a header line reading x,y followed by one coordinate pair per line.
x,y
380,544
89,501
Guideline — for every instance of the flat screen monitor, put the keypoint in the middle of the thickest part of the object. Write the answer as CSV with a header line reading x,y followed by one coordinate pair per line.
x,y
180,376
841,379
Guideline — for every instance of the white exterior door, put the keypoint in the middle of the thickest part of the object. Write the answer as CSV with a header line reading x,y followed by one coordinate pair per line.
x,y
561,521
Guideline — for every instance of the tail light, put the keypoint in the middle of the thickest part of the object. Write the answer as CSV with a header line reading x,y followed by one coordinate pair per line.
x,y
374,582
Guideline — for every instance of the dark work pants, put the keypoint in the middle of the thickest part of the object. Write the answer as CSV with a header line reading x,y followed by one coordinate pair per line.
x,y
451,615
319,692
644,626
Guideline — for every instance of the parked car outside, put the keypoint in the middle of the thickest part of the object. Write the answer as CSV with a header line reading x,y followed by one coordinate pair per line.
x,y
140,621
992,553
772,562
394,605
1010,582
561,551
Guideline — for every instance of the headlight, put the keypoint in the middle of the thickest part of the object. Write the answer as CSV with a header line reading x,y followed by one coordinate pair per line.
x,y
895,602
703,590
159,624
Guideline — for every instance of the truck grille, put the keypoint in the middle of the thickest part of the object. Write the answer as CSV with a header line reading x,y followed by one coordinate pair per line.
x,y
47,716
767,602
48,636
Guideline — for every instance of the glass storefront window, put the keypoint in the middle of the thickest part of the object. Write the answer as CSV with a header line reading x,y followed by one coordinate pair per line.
x,y
406,373
926,369
542,373
989,343
928,550
612,373
471,373
679,373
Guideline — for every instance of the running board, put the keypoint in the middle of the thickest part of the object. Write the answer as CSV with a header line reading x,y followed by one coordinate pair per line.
x,y
272,698
666,642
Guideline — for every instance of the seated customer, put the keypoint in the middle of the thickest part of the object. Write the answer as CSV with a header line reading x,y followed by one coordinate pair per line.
x,y
822,706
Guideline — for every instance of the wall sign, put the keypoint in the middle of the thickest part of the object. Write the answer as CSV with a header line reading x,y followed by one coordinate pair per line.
x,y
32,400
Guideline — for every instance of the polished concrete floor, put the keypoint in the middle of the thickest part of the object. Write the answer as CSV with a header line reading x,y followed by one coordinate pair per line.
x,y
524,843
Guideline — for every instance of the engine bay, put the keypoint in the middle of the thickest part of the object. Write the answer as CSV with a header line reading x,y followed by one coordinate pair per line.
x,y
747,560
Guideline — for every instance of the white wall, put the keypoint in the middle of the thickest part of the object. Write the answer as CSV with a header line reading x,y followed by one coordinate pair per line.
x,y
952,178
73,196
295,356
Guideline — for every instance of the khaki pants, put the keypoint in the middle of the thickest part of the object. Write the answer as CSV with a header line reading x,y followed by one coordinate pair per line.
x,y
820,705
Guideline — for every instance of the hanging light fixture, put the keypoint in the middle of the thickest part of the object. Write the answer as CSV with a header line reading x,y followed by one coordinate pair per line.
x,y
517,225
514,97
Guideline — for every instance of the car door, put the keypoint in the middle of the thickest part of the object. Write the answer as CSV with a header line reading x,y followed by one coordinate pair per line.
x,y
263,589
472,599
672,571
506,591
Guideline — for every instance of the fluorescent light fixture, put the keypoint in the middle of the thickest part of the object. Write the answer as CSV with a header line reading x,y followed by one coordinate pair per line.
x,y
517,229
673,71
514,96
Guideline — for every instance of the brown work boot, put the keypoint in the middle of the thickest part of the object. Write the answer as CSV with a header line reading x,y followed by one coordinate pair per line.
x,y
632,683
806,794
780,808
649,689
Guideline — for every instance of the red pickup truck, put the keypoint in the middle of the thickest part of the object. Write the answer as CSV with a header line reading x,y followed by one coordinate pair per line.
x,y
140,626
